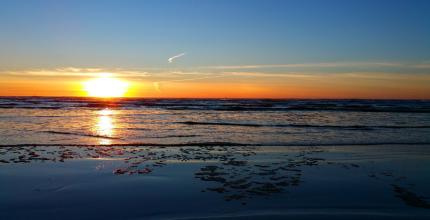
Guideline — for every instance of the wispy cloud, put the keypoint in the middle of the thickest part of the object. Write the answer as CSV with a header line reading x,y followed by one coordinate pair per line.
x,y
354,69
157,85
310,65
171,59
422,66
393,76
72,72
271,75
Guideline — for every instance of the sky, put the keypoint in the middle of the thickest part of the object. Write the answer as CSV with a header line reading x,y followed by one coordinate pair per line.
x,y
218,48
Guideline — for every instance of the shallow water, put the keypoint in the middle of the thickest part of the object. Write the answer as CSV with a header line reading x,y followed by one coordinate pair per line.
x,y
257,122
76,158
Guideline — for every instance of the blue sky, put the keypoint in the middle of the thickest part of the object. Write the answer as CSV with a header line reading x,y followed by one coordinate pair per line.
x,y
222,48
139,34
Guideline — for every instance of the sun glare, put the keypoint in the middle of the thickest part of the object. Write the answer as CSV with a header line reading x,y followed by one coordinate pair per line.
x,y
106,87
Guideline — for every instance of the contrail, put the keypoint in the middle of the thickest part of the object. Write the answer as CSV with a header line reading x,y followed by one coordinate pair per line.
x,y
174,57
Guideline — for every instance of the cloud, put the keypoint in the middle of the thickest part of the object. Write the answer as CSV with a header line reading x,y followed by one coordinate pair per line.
x,y
266,75
171,59
387,76
78,70
157,85
422,66
75,73
352,69
310,65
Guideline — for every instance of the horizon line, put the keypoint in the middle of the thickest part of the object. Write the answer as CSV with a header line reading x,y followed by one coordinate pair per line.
x,y
203,98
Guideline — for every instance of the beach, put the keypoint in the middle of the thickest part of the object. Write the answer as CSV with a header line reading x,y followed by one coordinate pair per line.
x,y
215,109
81,158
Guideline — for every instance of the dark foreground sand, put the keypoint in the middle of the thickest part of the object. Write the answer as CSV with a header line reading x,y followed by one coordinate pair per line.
x,y
215,181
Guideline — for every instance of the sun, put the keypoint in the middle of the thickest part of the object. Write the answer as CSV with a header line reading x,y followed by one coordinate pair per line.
x,y
106,87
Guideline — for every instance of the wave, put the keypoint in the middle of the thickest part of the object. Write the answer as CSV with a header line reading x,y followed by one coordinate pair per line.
x,y
80,134
405,106
221,123
357,127
187,144
175,136
220,144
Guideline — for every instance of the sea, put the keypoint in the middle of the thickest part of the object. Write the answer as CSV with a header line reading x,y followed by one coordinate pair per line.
x,y
148,158
273,122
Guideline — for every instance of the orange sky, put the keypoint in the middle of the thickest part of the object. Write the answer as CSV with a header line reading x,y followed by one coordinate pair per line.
x,y
225,84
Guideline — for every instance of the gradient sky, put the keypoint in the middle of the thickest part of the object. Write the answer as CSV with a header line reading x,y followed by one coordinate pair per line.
x,y
229,48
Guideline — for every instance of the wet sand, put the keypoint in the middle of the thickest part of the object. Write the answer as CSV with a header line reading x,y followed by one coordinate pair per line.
x,y
215,180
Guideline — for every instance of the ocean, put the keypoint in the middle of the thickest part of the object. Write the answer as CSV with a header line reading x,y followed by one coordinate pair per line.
x,y
88,121
146,158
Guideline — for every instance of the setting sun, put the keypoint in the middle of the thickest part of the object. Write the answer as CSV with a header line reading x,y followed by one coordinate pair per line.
x,y
106,87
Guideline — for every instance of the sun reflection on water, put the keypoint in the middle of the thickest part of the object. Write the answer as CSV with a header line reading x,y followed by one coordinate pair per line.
x,y
105,125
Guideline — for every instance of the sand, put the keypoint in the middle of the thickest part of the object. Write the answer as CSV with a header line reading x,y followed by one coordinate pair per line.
x,y
215,181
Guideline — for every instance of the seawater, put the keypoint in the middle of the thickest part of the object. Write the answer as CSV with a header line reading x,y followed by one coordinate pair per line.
x,y
89,121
